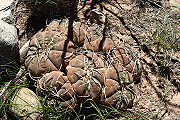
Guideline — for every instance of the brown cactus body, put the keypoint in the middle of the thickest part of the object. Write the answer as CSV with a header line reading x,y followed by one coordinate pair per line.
x,y
57,85
102,71
83,72
117,78
48,51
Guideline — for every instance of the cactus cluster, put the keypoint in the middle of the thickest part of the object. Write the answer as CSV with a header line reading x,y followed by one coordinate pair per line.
x,y
89,66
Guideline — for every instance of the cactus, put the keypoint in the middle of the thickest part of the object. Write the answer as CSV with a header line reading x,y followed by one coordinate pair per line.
x,y
117,88
49,50
85,74
87,67
56,85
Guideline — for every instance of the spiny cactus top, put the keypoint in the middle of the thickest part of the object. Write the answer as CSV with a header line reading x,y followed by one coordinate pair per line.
x,y
49,50
89,66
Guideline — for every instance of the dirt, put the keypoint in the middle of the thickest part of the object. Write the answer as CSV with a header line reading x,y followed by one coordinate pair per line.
x,y
157,97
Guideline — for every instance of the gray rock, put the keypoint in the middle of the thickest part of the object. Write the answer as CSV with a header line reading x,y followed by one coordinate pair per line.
x,y
5,8
8,33
8,43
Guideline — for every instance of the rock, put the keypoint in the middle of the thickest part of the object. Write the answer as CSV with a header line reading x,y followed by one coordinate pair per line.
x,y
25,104
5,10
8,43
8,33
